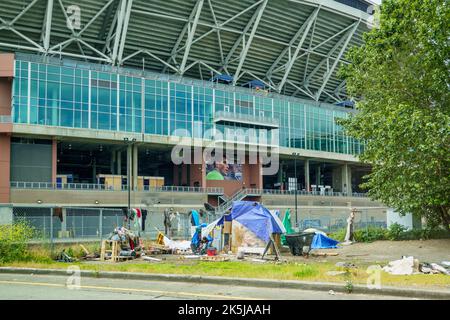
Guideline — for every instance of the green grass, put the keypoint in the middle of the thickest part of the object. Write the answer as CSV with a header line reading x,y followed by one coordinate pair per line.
x,y
306,270
310,271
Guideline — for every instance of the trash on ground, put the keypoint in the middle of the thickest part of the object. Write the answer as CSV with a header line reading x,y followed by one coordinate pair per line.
x,y
346,265
64,257
147,258
335,273
323,254
404,266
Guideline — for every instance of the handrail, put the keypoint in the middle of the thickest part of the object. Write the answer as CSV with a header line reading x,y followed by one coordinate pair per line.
x,y
103,187
246,117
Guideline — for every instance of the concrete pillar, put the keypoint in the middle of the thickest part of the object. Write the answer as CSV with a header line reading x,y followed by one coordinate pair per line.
x,y
94,171
119,163
318,175
307,182
135,167
54,160
346,179
64,222
6,215
113,161
5,168
337,179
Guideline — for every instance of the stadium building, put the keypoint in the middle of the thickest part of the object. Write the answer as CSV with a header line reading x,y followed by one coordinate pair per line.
x,y
94,95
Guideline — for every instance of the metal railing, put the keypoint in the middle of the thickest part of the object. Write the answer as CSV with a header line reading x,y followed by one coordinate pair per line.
x,y
245,117
314,193
5,119
103,187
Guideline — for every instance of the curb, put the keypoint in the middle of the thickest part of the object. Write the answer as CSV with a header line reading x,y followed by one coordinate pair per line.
x,y
285,284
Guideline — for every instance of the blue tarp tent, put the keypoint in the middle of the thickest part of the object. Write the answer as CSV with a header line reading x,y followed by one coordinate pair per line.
x,y
323,242
254,217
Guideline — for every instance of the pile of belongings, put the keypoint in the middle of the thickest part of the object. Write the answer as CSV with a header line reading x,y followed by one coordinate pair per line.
x,y
409,265
200,243
130,243
320,240
64,257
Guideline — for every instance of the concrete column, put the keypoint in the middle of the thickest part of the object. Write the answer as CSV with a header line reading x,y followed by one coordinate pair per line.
x,y
119,163
337,179
64,222
5,168
307,182
113,161
135,167
6,215
346,179
54,160
94,171
318,175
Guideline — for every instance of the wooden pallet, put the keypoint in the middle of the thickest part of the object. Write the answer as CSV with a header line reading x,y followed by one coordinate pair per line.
x,y
115,250
214,258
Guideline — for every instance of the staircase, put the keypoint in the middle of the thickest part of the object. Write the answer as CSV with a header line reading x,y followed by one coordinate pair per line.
x,y
238,196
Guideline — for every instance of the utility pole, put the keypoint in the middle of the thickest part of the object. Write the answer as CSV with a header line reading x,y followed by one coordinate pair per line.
x,y
129,172
296,188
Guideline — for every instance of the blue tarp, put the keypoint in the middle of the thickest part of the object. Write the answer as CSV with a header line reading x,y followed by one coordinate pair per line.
x,y
323,242
196,238
195,218
254,217
254,84
223,77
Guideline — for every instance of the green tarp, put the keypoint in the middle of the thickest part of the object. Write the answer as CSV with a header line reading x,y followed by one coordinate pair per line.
x,y
287,225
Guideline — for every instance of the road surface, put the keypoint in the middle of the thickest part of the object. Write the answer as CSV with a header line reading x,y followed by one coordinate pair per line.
x,y
49,287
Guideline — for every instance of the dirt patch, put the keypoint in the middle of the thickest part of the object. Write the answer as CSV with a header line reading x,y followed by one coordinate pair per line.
x,y
384,251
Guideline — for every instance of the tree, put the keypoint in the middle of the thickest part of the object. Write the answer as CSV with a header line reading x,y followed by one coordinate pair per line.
x,y
400,79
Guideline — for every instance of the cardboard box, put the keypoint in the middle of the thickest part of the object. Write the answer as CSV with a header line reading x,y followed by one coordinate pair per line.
x,y
227,227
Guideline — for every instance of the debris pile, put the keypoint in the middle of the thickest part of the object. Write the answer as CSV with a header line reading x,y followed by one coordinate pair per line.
x,y
409,265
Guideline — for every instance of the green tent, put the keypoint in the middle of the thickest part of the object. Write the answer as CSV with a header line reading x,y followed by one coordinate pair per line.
x,y
287,225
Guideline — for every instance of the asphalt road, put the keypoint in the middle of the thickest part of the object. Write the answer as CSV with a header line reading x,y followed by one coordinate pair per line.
x,y
47,287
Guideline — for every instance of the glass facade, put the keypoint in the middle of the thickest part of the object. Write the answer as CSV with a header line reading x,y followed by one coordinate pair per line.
x,y
68,96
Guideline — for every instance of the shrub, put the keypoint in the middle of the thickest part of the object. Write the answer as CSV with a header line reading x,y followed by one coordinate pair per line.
x,y
14,240
396,231
370,234
338,235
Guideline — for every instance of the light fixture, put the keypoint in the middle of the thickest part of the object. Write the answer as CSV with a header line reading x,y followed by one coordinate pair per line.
x,y
39,201
70,147
101,148
97,202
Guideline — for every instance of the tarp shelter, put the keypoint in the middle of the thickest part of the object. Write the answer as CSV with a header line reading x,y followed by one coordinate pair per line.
x,y
287,225
321,241
256,218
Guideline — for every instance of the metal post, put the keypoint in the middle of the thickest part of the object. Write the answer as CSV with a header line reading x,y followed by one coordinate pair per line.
x,y
129,164
296,187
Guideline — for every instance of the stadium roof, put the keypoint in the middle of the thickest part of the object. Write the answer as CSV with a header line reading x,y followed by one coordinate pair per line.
x,y
293,46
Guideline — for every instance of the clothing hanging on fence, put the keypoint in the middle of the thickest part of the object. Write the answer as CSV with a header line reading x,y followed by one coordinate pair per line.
x,y
144,217
58,212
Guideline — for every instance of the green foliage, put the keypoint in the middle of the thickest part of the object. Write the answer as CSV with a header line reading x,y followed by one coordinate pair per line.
x,y
370,234
338,235
14,240
395,231
401,78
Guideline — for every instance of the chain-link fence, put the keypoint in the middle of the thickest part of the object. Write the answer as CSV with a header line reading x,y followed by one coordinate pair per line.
x,y
335,219
84,224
